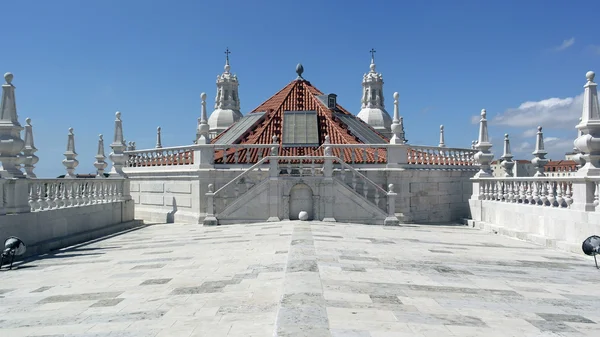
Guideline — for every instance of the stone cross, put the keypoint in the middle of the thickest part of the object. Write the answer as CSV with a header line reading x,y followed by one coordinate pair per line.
x,y
11,143
507,162
158,138
442,143
372,51
100,163
70,162
118,146
484,157
30,159
227,52
540,153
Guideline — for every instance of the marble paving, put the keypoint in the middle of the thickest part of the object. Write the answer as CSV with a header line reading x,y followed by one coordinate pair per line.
x,y
302,279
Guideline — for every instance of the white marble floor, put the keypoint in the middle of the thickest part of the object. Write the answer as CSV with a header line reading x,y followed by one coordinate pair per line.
x,y
302,279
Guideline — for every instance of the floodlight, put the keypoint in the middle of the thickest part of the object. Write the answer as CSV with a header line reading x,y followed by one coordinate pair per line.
x,y
591,246
13,246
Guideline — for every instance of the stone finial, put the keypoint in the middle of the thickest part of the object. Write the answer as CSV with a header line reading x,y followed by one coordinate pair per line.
x,y
484,157
507,162
11,143
117,156
30,159
391,188
539,161
474,144
158,138
397,124
210,188
588,143
442,143
202,134
327,151
100,162
70,162
299,71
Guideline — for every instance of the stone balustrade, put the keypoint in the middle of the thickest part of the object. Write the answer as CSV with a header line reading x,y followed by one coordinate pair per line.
x,y
166,156
50,194
441,156
362,185
536,191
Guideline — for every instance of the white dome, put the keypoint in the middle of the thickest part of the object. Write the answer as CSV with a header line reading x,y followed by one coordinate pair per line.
x,y
377,118
221,119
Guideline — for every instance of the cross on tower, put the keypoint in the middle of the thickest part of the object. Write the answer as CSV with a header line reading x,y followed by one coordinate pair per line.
x,y
372,51
227,52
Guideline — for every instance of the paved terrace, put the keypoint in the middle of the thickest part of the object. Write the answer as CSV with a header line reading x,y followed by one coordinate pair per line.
x,y
302,279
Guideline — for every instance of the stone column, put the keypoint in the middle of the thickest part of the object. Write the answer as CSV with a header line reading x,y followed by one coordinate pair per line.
x,y
484,157
158,138
30,159
442,143
588,143
539,161
70,162
391,219
100,163
210,219
507,162
118,157
11,143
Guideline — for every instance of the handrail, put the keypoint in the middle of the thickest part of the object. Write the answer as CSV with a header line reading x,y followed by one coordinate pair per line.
x,y
544,178
361,175
260,162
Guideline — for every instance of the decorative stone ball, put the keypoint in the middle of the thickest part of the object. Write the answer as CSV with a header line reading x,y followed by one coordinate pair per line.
x,y
590,76
303,216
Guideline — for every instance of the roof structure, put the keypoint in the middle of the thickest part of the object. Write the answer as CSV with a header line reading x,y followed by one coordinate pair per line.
x,y
301,95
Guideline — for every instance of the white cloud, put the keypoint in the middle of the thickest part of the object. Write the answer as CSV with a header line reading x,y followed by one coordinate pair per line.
x,y
595,49
565,44
551,112
523,147
529,133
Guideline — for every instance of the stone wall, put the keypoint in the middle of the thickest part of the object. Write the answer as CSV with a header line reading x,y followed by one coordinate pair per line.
x,y
562,228
424,195
58,228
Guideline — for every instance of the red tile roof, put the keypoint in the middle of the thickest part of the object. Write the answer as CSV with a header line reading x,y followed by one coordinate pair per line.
x,y
299,95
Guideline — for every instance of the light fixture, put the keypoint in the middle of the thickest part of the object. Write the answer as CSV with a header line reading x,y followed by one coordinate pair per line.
x,y
13,246
591,246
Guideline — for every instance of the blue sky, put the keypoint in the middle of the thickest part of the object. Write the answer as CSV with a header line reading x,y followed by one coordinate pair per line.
x,y
77,62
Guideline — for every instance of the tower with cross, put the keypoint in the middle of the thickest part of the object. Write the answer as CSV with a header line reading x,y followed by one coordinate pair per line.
x,y
372,103
227,101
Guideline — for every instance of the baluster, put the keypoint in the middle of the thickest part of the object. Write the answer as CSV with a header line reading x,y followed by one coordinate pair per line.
x,y
536,193
376,155
33,196
597,193
543,196
508,185
300,167
377,197
364,155
236,156
551,194
529,192
41,195
486,194
50,195
354,180
569,195
559,194
505,192
312,168
522,195
224,199
352,156
493,190
365,189
500,190
248,155
260,155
